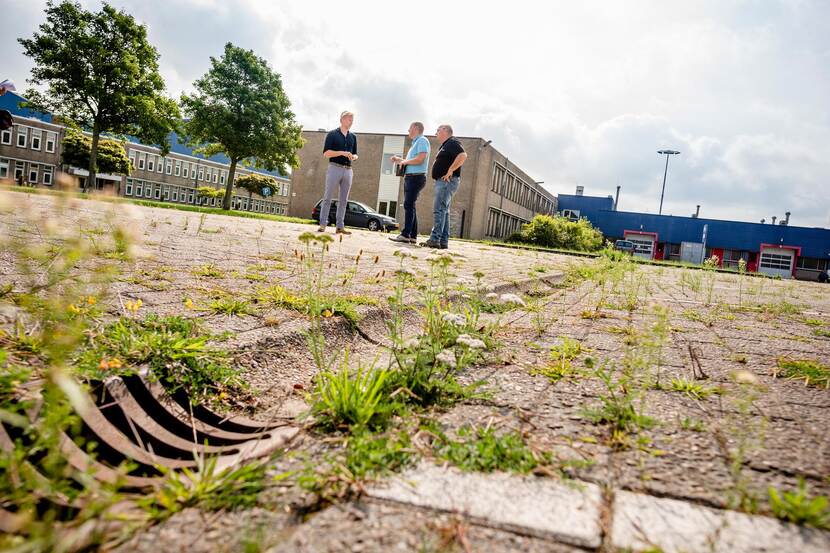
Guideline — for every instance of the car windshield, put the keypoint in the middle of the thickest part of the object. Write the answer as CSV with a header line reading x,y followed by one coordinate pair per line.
x,y
364,206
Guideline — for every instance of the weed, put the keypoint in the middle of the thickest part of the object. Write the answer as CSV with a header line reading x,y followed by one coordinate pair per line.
x,y
813,322
618,409
210,271
561,356
174,349
821,332
799,508
811,371
694,390
346,399
483,450
231,306
739,358
207,487
694,425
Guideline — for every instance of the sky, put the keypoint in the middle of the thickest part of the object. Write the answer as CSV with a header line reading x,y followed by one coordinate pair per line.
x,y
575,93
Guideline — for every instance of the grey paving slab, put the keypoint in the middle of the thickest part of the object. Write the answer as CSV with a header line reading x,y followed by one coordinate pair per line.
x,y
530,505
643,522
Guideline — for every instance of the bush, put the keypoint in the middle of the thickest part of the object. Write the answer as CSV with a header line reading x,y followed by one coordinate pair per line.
x,y
559,232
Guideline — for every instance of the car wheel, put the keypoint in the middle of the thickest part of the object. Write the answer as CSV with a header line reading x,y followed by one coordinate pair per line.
x,y
373,224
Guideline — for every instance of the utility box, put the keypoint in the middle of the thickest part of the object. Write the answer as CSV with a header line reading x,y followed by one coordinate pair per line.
x,y
692,252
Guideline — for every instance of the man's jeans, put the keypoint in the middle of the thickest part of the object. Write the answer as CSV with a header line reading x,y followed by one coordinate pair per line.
x,y
444,191
412,186
340,177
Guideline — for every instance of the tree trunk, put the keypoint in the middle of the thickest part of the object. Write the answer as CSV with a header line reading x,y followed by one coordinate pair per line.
x,y
226,201
93,158
250,200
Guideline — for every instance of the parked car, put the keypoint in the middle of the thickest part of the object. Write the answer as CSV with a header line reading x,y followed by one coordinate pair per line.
x,y
626,246
358,215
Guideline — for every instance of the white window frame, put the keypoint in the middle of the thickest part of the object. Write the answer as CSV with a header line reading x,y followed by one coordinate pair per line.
x,y
166,193
47,172
157,192
51,139
208,172
133,162
201,173
142,159
37,134
215,177
190,196
22,132
160,165
128,190
5,164
177,171
34,169
222,178
186,170
151,163
175,194
148,190
139,188
168,167
19,169
6,137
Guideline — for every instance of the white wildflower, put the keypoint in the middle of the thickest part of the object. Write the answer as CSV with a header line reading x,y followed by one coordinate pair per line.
x,y
403,253
491,296
412,343
470,342
405,271
465,282
453,318
745,377
512,298
446,357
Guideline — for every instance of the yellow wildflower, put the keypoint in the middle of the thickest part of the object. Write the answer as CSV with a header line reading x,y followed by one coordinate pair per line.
x,y
327,313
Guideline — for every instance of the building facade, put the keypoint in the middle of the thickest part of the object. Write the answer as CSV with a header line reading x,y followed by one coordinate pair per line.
x,y
494,199
777,250
30,154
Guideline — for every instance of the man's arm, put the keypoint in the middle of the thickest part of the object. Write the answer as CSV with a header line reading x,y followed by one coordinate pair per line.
x,y
457,162
337,153
417,160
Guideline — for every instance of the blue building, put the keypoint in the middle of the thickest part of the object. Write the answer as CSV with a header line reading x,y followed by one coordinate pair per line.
x,y
774,249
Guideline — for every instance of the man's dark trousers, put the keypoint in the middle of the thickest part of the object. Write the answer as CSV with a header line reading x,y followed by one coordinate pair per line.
x,y
412,186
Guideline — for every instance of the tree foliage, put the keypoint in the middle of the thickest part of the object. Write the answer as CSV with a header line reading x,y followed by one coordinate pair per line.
x,y
102,73
240,109
254,183
559,232
208,192
112,157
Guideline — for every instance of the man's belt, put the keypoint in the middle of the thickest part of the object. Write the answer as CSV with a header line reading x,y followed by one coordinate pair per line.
x,y
340,164
415,175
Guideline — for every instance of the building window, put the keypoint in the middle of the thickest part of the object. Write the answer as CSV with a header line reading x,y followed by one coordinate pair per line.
x,y
6,137
37,135
4,168
139,188
132,160
22,134
141,159
222,178
128,190
175,194
571,214
19,168
201,173
190,196
47,176
215,177
157,192
168,167
185,170
771,260
166,193
807,263
151,163
50,142
33,172
178,171
148,190
160,165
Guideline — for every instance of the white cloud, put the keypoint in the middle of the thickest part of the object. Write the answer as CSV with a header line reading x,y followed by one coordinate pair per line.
x,y
575,93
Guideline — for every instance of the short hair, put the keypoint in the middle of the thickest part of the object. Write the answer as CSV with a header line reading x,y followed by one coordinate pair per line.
x,y
345,113
446,127
419,126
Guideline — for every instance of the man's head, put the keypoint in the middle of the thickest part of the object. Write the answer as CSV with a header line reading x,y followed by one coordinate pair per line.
x,y
416,129
346,119
443,132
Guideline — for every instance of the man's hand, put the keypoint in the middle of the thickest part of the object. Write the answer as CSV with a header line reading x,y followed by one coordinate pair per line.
x,y
395,159
447,177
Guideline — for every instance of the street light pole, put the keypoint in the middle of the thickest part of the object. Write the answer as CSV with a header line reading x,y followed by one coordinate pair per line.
x,y
665,172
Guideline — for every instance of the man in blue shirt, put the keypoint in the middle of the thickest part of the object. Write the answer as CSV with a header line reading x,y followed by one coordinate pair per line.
x,y
341,150
415,178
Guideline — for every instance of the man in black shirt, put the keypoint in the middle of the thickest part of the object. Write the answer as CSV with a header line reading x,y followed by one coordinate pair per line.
x,y
447,174
341,150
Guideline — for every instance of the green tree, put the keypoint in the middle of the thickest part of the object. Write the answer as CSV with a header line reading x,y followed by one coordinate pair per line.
x,y
559,232
102,73
241,110
206,192
112,157
256,182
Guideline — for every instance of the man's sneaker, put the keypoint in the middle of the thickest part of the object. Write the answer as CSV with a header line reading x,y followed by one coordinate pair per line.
x,y
430,244
401,238
443,246
413,240
321,229
342,231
